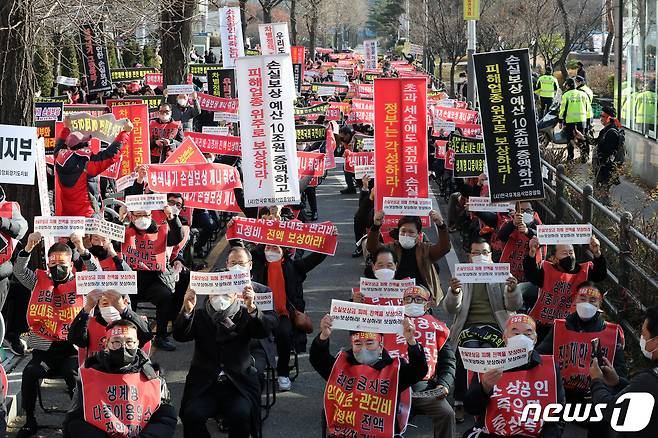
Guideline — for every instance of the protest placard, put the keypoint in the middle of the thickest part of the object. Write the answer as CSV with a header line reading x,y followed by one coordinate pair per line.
x,y
359,317
441,125
310,164
363,111
124,282
370,55
480,360
230,27
362,170
48,111
104,228
298,57
219,283
274,38
125,181
186,152
180,89
17,154
407,206
310,133
469,156
95,59
481,203
216,130
152,201
381,289
482,272
69,82
368,144
196,177
105,127
130,74
216,144
574,234
221,82
353,159
59,226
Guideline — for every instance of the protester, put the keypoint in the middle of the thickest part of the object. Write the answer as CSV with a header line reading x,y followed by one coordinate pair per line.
x,y
182,112
222,380
103,249
491,394
166,134
52,354
364,215
77,169
481,310
346,143
121,364
515,235
608,387
12,229
416,258
369,359
608,144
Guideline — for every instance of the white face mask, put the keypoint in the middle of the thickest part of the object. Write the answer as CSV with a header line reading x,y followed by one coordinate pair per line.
x,y
175,210
110,314
414,309
367,357
182,102
586,310
142,223
165,118
407,242
481,259
273,256
643,348
521,341
210,160
220,302
528,218
238,268
384,274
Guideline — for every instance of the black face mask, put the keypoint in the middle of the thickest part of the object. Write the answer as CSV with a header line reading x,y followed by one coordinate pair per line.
x,y
98,251
122,357
59,273
568,263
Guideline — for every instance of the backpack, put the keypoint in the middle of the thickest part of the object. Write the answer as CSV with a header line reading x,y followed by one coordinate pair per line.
x,y
620,154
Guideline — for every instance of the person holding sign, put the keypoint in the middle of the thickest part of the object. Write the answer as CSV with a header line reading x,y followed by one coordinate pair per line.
x,y
53,305
222,380
182,112
120,392
557,278
498,397
515,235
77,170
107,257
481,310
416,257
166,134
13,227
371,375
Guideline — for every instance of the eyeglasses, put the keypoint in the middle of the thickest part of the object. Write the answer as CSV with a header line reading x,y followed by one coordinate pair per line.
x,y
527,210
477,253
128,344
175,204
417,299
244,264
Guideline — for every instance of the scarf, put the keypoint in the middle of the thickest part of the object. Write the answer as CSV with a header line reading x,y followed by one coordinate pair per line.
x,y
277,283
223,317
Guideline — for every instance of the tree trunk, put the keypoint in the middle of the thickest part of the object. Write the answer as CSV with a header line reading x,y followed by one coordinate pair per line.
x,y
293,23
611,33
17,84
441,68
453,66
534,56
176,39
267,14
314,26
566,49
243,18
57,54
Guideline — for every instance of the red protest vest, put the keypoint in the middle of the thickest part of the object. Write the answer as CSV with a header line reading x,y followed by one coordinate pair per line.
x,y
513,392
146,252
96,337
555,297
120,405
515,250
52,309
107,264
573,351
360,400
431,333
4,381
6,211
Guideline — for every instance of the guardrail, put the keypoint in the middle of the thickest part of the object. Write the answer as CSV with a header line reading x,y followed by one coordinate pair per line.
x,y
567,202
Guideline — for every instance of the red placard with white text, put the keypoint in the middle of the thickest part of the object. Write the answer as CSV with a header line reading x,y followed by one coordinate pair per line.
x,y
187,152
216,144
363,111
189,178
401,136
353,159
208,102
138,149
314,237
310,164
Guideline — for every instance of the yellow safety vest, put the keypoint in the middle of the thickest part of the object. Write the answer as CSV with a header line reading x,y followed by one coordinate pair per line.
x,y
590,94
645,107
547,86
575,106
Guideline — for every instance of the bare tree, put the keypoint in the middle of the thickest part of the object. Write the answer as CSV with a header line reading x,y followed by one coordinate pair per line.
x,y
267,6
176,38
293,22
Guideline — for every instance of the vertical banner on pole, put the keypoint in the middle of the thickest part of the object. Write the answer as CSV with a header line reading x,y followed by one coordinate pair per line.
x,y
138,149
509,127
274,38
230,26
298,55
370,57
221,82
471,10
401,139
267,129
95,60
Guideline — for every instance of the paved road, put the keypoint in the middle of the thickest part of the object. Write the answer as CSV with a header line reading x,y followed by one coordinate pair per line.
x,y
296,413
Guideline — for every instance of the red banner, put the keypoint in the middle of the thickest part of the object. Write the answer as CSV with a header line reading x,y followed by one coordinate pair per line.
x,y
156,79
187,152
218,104
456,115
353,159
401,157
330,159
202,177
219,201
449,163
440,147
51,310
216,144
363,111
310,164
314,237
138,149
119,404
113,171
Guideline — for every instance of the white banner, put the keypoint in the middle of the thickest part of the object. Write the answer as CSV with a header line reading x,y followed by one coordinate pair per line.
x,y
59,226
226,117
407,206
361,171
370,54
576,234
447,103
124,282
126,181
481,203
373,288
366,317
266,91
219,283
480,360
442,125
69,82
230,26
325,91
368,144
180,89
152,201
274,38
482,272
104,228
264,301
340,75
42,178
217,130
17,154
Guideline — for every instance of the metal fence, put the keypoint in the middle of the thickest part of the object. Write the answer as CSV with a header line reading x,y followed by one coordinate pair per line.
x,y
632,257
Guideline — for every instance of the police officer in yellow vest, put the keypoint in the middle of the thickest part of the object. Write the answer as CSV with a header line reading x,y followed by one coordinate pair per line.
x,y
574,109
645,108
582,86
545,87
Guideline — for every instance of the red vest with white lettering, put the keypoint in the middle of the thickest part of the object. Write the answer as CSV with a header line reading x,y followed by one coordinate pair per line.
x,y
515,250
7,211
557,294
431,333
573,352
107,264
146,252
96,340
120,405
52,309
360,400
513,392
